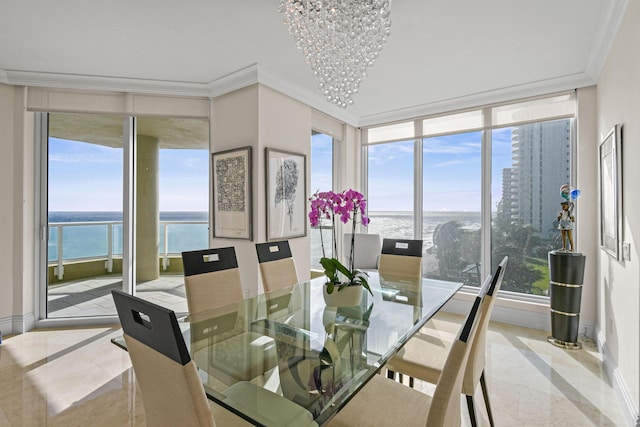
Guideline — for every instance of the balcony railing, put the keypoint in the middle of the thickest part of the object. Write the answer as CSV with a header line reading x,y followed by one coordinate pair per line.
x,y
95,240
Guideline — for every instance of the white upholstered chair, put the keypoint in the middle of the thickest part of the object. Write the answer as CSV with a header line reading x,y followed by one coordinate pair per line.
x,y
212,279
401,258
423,356
172,393
277,268
384,402
171,389
366,250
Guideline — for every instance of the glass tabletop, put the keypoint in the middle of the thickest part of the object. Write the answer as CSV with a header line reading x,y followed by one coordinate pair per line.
x,y
286,358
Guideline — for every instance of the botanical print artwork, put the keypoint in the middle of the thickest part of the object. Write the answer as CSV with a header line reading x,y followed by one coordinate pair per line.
x,y
286,194
286,183
230,184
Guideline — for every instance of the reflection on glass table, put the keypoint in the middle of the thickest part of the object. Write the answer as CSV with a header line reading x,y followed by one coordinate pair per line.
x,y
290,345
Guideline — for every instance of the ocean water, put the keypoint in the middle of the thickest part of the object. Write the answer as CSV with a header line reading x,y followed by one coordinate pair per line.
x,y
399,225
86,234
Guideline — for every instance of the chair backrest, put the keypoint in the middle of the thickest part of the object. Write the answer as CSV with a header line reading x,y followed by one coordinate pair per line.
x,y
277,268
477,356
172,393
366,250
211,278
445,405
401,257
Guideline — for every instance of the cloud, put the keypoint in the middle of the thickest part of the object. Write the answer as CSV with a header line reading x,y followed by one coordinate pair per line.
x,y
83,158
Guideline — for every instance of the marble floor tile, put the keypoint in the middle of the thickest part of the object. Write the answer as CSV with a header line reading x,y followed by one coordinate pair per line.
x,y
77,377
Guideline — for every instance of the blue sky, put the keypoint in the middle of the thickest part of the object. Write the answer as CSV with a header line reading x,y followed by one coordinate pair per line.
x,y
88,177
451,171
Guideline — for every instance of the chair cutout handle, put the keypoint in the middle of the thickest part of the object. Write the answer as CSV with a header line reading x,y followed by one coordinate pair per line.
x,y
210,257
142,319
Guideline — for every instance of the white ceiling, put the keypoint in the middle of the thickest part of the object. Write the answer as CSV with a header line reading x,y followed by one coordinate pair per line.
x,y
441,55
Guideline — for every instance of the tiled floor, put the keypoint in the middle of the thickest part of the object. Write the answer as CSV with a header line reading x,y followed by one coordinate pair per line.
x,y
92,297
76,377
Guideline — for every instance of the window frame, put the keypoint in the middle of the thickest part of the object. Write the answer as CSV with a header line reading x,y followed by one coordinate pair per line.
x,y
487,113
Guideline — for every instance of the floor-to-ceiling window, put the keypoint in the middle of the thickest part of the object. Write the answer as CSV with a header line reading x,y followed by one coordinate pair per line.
x,y
530,163
452,204
322,152
84,199
390,183
487,185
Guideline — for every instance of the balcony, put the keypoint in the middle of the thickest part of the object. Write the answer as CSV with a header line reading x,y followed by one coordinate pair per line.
x,y
85,264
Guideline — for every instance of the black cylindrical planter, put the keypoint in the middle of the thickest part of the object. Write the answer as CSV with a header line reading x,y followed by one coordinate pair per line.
x,y
566,272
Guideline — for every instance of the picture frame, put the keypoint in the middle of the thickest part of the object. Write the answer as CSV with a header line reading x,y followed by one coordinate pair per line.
x,y
610,157
232,194
286,182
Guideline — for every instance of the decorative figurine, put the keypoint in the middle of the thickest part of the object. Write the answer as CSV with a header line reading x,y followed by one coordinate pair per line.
x,y
565,225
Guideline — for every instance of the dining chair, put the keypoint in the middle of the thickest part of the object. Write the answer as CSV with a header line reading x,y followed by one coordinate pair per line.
x,y
277,268
384,402
401,258
172,392
366,250
211,278
423,356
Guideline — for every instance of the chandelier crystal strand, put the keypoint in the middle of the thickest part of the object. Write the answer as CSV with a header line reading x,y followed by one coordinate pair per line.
x,y
339,40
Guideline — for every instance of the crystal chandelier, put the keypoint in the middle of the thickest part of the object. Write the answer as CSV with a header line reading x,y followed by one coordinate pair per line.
x,y
339,40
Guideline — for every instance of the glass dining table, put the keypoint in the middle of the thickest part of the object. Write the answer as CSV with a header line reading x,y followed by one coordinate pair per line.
x,y
286,358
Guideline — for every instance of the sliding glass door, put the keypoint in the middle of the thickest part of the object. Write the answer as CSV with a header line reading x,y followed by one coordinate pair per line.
x,y
86,193
84,211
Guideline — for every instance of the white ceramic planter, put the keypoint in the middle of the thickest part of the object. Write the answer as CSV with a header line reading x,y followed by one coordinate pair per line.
x,y
347,297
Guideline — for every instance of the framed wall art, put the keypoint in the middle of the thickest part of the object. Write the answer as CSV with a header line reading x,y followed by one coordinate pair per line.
x,y
286,194
232,210
611,192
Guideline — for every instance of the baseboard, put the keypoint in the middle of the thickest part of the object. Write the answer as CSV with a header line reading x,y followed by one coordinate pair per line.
x,y
6,326
519,313
12,325
626,401
506,311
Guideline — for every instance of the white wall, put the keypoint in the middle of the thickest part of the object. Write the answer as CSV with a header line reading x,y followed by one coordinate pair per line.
x,y
586,206
285,124
7,185
261,117
16,191
234,124
618,95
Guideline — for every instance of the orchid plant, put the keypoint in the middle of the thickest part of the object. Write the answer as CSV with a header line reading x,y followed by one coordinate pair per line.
x,y
346,206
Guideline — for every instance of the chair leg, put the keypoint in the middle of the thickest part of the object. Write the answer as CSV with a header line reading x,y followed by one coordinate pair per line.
x,y
485,394
472,412
391,374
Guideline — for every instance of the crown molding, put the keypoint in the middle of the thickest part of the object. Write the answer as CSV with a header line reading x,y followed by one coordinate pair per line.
x,y
311,98
234,81
113,84
543,87
257,73
244,77
605,35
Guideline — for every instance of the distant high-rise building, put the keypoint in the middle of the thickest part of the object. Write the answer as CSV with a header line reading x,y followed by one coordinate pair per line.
x,y
540,165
